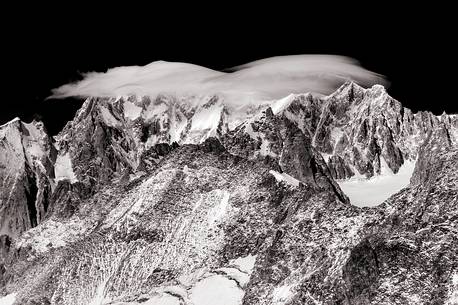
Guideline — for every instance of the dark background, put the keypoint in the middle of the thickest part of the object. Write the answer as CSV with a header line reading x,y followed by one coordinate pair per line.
x,y
43,49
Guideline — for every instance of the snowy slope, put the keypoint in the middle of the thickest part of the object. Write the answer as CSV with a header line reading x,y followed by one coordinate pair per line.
x,y
375,190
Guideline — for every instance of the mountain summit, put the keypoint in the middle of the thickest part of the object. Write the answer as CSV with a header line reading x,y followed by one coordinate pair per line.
x,y
191,200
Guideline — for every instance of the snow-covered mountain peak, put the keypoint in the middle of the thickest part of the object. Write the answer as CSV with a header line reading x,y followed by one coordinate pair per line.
x,y
346,91
28,139
282,103
26,170
11,122
245,205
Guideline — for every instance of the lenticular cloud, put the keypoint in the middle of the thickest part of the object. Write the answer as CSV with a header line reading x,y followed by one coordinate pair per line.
x,y
264,79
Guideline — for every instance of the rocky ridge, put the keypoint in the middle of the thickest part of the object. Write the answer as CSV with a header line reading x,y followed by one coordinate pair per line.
x,y
146,204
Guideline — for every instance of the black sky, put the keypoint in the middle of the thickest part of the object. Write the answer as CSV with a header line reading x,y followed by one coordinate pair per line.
x,y
414,49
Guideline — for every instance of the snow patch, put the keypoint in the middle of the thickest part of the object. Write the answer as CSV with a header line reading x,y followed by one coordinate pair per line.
x,y
240,269
205,123
285,177
63,169
99,298
453,291
219,210
9,299
265,149
245,264
108,118
154,109
53,234
10,122
131,110
164,299
216,290
32,141
326,156
235,274
336,134
281,295
385,169
372,192
281,104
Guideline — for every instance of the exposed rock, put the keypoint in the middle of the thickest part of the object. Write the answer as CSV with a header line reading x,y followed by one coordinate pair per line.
x,y
339,169
27,156
159,201
367,129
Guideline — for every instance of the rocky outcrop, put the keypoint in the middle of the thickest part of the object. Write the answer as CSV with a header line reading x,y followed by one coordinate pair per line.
x,y
277,141
146,200
339,168
204,217
201,214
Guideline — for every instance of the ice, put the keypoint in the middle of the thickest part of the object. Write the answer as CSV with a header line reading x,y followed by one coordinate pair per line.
x,y
63,169
216,290
372,192
285,177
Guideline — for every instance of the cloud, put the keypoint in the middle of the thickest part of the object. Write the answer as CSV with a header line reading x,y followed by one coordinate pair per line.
x,y
265,79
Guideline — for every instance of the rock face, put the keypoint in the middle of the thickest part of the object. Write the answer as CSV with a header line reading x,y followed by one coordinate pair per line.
x,y
275,140
27,156
160,201
365,131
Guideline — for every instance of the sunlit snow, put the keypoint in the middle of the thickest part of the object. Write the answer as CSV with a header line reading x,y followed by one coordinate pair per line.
x,y
8,299
373,191
281,295
109,119
131,110
281,104
285,177
164,299
217,290
246,264
63,168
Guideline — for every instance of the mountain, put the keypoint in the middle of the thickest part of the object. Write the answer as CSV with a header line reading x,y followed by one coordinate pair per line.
x,y
26,170
192,200
363,131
